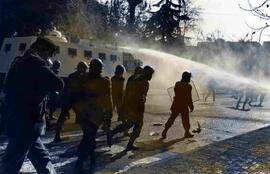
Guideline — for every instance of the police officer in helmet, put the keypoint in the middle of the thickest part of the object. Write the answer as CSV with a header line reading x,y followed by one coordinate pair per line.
x,y
93,108
70,96
117,82
182,104
134,106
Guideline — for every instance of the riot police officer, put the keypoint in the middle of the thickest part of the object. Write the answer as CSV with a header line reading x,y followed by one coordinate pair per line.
x,y
53,97
117,82
182,103
28,81
70,95
93,109
134,105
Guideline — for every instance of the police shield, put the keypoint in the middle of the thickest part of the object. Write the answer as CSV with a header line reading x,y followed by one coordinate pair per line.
x,y
195,94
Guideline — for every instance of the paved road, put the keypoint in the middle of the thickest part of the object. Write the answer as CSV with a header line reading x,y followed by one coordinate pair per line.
x,y
219,122
247,153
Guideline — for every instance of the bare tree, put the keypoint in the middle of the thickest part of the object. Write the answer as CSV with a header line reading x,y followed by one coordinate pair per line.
x,y
261,11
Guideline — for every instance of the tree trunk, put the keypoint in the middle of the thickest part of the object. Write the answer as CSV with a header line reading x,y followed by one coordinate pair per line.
x,y
131,19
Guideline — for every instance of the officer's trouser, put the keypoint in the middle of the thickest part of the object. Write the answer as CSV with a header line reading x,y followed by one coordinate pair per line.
x,y
88,142
66,106
185,120
53,103
119,108
20,147
61,119
126,125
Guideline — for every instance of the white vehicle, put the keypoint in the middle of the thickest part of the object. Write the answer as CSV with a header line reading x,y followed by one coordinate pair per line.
x,y
69,53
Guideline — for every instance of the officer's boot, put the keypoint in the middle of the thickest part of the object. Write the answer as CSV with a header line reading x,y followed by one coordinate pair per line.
x,y
57,138
79,167
92,163
130,145
164,133
188,134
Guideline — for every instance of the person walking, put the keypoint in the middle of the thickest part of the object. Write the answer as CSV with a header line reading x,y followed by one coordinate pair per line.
x,y
182,104
93,109
28,81
70,96
117,82
134,106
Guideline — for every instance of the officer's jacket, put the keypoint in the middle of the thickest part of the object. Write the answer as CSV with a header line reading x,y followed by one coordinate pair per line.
x,y
135,97
28,81
183,98
95,104
117,89
73,85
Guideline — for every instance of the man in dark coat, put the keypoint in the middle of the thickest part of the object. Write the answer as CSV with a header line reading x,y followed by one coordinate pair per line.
x,y
117,82
181,104
93,109
70,96
28,81
134,105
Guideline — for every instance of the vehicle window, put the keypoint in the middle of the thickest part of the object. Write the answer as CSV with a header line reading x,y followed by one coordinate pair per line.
x,y
113,58
88,54
7,47
72,52
102,56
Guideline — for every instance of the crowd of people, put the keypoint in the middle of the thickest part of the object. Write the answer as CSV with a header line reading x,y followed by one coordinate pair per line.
x,y
31,88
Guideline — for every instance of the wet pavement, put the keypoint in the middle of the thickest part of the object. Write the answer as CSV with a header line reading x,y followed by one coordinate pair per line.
x,y
247,153
231,141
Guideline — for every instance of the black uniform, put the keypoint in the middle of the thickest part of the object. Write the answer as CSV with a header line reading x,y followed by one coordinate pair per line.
x,y
28,82
117,95
133,107
93,109
53,99
70,95
182,102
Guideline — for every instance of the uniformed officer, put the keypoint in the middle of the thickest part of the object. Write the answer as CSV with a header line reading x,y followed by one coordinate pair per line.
x,y
93,109
134,100
182,102
137,72
117,82
28,81
53,98
70,95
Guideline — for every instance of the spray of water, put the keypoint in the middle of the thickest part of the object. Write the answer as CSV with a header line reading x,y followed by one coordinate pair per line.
x,y
168,70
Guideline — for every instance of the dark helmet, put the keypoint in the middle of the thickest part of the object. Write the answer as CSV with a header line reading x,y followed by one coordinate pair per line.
x,y
149,69
96,66
120,69
186,75
82,66
96,63
138,70
148,72
56,64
